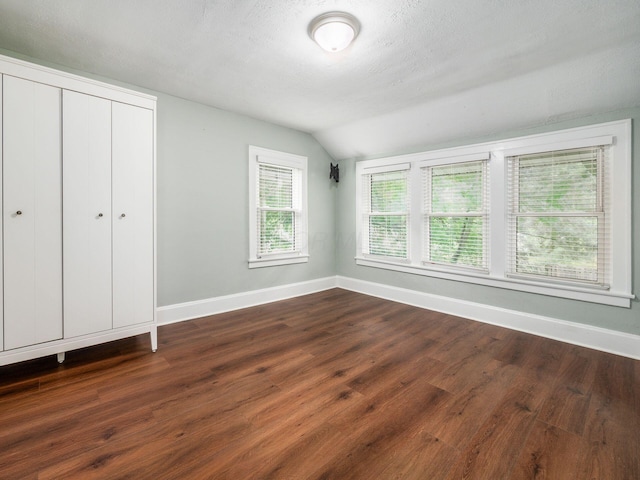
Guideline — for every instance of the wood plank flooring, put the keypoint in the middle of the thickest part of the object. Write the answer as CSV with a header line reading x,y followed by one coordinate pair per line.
x,y
334,385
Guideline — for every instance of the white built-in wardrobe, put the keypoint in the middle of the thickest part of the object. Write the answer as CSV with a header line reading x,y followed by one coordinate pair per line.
x,y
78,210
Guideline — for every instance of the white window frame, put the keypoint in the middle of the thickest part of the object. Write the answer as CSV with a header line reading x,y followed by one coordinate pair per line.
x,y
260,155
615,134
599,212
366,215
485,213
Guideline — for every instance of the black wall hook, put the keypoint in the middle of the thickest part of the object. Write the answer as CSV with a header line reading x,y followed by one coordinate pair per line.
x,y
335,173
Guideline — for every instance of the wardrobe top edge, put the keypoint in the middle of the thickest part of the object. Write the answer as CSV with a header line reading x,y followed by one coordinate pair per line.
x,y
58,78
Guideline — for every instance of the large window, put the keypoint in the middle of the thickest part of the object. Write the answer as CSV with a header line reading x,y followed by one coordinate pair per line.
x,y
548,214
277,208
557,218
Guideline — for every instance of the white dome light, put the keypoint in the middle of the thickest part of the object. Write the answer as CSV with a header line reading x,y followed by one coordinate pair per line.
x,y
334,31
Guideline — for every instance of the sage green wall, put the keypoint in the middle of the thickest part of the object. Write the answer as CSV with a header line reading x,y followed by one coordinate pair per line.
x,y
621,319
202,202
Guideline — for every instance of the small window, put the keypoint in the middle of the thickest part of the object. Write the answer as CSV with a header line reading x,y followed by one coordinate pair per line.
x,y
456,215
278,208
558,222
386,214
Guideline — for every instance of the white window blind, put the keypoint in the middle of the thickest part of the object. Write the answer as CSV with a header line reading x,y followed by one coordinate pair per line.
x,y
558,222
456,211
278,209
386,214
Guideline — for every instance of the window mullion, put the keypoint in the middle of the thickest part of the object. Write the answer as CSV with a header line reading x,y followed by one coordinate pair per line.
x,y
415,217
276,209
558,214
498,223
456,215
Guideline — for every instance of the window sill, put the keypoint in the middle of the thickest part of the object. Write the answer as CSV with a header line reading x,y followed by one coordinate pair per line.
x,y
273,262
615,299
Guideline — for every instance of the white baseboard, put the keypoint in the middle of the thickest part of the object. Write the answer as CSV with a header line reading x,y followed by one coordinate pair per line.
x,y
619,343
227,303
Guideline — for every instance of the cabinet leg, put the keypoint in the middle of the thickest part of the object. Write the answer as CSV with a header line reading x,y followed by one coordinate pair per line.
x,y
61,357
154,338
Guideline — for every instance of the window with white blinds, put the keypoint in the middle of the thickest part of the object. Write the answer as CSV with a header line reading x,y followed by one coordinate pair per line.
x,y
456,211
548,214
386,213
277,208
558,224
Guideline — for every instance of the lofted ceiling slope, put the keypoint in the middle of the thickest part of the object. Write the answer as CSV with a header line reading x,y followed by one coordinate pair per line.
x,y
421,71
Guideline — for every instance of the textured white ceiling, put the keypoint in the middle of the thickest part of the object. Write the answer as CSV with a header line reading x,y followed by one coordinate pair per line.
x,y
413,56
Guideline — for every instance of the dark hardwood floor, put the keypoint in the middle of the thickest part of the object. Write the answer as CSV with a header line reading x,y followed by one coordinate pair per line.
x,y
334,385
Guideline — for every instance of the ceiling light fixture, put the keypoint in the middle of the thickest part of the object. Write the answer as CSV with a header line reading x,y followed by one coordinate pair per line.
x,y
334,31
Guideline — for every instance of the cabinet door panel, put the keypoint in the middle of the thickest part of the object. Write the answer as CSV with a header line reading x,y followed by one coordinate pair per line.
x,y
132,190
1,235
31,213
86,213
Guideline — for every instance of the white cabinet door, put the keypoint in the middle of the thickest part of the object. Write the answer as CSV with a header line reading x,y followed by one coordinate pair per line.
x,y
132,190
1,276
87,213
31,213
